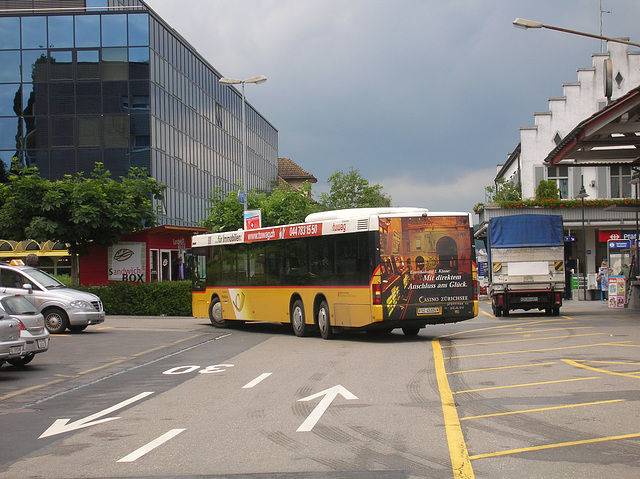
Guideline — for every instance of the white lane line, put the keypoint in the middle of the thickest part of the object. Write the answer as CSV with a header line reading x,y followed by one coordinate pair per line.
x,y
257,380
151,446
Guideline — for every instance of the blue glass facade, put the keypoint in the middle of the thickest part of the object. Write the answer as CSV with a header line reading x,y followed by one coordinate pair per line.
x,y
108,80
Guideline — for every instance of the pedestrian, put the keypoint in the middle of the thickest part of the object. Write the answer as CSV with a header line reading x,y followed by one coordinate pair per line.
x,y
31,260
180,271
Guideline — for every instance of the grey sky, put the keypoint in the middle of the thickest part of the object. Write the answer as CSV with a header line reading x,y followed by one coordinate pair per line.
x,y
422,97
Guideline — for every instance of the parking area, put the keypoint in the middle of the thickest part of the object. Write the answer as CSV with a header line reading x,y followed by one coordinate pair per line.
x,y
536,391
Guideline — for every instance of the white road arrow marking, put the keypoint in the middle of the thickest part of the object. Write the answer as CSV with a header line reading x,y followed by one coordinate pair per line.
x,y
329,395
63,425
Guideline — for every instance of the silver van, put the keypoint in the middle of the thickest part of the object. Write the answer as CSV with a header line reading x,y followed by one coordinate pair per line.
x,y
61,307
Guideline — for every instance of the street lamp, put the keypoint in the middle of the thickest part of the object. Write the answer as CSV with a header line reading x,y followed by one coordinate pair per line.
x,y
233,81
582,195
635,180
526,24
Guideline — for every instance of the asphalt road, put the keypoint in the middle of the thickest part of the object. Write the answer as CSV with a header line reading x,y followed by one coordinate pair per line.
x,y
525,396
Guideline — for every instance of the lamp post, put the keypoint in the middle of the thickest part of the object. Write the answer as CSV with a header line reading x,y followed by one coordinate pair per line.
x,y
582,195
635,179
234,81
526,24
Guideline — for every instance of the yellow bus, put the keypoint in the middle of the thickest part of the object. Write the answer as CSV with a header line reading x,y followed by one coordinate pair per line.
x,y
367,269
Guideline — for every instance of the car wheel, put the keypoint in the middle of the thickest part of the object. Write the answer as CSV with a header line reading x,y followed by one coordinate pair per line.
x,y
324,321
77,328
21,361
215,314
300,328
56,320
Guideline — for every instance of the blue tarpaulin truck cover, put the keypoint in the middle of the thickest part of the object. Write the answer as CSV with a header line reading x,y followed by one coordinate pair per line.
x,y
520,231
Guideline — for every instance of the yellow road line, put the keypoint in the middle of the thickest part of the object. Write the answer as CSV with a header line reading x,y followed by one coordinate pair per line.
x,y
553,446
524,385
599,370
523,340
503,326
503,367
457,447
32,388
523,331
538,350
542,409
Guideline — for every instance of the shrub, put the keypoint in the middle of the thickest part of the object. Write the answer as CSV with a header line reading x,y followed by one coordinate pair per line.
x,y
160,298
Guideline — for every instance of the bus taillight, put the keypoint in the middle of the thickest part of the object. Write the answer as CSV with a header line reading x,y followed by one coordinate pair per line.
x,y
377,294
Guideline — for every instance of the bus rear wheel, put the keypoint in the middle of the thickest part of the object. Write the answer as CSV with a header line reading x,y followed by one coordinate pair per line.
x,y
410,331
215,314
324,321
300,328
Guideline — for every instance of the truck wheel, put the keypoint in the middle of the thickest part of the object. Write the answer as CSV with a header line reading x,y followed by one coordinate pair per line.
x,y
505,312
556,311
56,320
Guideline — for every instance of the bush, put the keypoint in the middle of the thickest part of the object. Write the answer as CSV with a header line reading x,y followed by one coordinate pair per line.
x,y
160,298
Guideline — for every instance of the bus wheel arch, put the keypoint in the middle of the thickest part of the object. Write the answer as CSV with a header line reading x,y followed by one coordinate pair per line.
x,y
215,313
297,317
323,317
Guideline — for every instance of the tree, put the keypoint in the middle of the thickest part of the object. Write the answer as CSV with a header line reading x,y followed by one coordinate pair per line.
x,y
503,190
76,210
547,190
351,190
279,207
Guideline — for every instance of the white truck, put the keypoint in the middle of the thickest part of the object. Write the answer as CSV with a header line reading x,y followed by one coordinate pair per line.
x,y
526,263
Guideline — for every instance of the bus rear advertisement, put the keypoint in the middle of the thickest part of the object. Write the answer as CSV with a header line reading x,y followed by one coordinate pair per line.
x,y
371,269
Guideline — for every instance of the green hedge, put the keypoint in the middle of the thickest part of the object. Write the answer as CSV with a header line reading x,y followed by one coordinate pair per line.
x,y
160,298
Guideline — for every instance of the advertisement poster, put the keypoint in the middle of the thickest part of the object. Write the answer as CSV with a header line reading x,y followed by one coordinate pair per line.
x,y
426,267
617,291
125,262
252,219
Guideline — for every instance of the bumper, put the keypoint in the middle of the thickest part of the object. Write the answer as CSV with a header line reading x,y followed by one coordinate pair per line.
x,y
81,318
13,349
35,343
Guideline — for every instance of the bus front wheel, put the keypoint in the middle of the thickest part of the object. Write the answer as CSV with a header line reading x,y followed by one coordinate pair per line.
x,y
324,321
300,328
215,314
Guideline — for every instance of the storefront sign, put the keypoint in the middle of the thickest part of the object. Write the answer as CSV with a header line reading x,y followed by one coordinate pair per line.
x,y
125,263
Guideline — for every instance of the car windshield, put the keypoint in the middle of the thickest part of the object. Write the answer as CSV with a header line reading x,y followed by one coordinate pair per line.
x,y
17,305
44,279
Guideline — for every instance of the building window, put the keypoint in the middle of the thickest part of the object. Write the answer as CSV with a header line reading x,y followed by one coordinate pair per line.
x,y
620,177
560,174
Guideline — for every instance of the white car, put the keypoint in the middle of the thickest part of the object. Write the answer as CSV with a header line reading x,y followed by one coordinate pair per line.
x,y
61,307
11,344
31,325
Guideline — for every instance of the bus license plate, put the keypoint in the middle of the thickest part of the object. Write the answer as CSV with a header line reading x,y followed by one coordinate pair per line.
x,y
529,299
430,310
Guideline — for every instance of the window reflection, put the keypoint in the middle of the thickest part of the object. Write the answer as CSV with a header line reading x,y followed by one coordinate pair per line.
x,y
139,29
61,65
61,32
88,97
87,30
114,64
8,37
138,63
10,100
88,67
34,32
10,69
34,65
89,131
114,30
8,131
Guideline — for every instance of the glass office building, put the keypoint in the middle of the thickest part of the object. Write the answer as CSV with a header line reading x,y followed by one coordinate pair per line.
x,y
85,81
